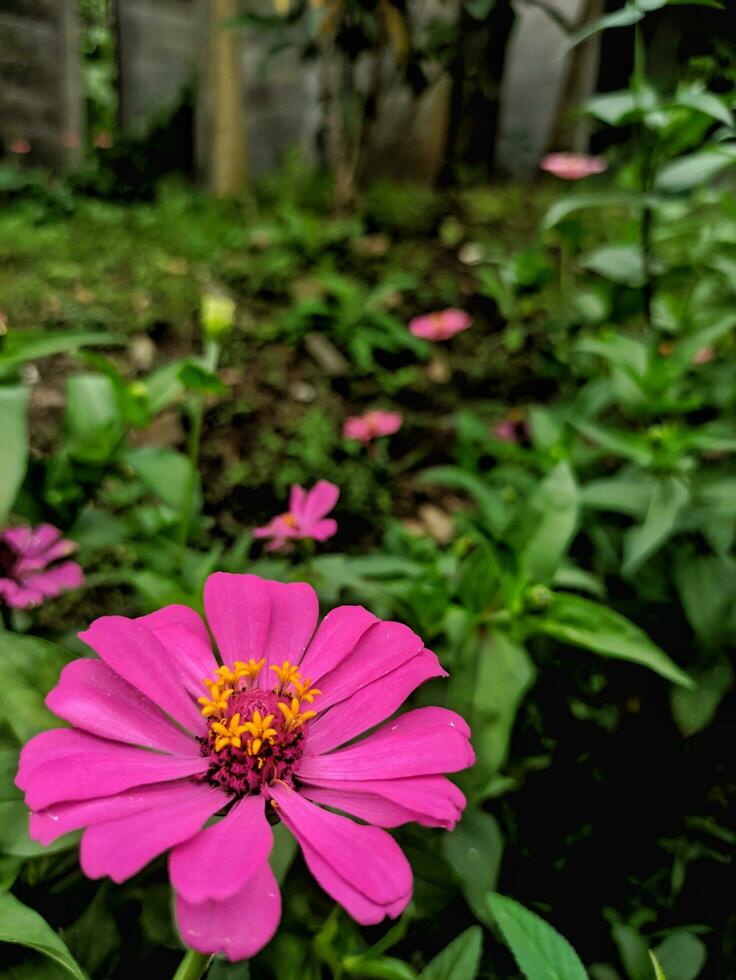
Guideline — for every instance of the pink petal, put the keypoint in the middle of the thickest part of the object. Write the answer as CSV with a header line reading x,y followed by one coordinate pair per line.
x,y
370,704
29,541
294,612
323,530
86,775
320,500
186,640
54,744
336,637
61,818
239,926
432,801
59,549
54,581
357,428
18,538
362,859
244,835
120,848
423,742
134,652
355,903
238,611
91,696
297,501
19,596
383,648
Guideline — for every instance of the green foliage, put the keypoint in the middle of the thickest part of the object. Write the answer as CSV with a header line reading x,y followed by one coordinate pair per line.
x,y
539,950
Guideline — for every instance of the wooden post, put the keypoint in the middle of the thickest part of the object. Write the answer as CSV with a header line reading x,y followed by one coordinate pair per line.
x,y
221,150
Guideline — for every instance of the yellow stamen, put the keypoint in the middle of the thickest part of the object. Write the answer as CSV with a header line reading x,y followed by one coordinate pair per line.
x,y
288,673
305,691
228,734
291,713
216,703
260,731
250,669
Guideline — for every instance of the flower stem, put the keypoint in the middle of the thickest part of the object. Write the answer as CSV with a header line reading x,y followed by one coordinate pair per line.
x,y
192,966
195,438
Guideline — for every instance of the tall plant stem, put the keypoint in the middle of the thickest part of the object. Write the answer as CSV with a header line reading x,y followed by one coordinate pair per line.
x,y
646,176
195,440
192,966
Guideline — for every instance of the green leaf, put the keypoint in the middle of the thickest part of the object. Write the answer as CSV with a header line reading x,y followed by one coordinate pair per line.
x,y
93,421
659,973
621,264
694,709
23,926
681,955
194,377
696,96
479,578
378,968
29,668
488,499
165,472
595,627
539,950
546,522
628,495
633,951
459,960
669,499
613,108
695,168
28,345
13,444
707,588
474,851
625,17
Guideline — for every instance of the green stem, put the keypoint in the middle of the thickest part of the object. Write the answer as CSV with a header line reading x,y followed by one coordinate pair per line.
x,y
195,439
193,966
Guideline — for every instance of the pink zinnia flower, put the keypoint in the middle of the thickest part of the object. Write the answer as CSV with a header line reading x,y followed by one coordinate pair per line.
x,y
372,425
20,146
31,565
440,326
573,166
506,431
305,517
164,737
704,356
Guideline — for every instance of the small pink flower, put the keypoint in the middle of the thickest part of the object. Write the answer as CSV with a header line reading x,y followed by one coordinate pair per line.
x,y
440,326
164,738
20,146
704,356
31,566
506,431
372,425
305,518
103,140
573,166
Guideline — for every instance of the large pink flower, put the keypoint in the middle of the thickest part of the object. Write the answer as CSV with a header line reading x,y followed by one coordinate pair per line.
x,y
572,166
440,326
32,567
305,517
165,737
372,425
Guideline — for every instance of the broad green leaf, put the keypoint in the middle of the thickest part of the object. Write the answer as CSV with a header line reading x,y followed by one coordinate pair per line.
x,y
681,955
479,578
546,523
474,851
633,951
670,497
629,445
23,926
620,263
572,203
195,377
29,668
696,96
628,495
94,938
613,108
659,973
13,444
595,627
539,950
28,345
165,472
693,709
695,168
459,960
488,499
707,588
93,421
378,968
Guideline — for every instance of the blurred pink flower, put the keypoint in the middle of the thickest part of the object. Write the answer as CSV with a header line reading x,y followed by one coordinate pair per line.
x,y
506,431
282,727
31,566
306,517
573,166
704,356
20,146
441,325
103,140
372,425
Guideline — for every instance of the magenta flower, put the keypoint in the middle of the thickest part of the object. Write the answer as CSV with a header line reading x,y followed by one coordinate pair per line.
x,y
704,356
372,425
32,567
573,166
165,737
305,517
440,326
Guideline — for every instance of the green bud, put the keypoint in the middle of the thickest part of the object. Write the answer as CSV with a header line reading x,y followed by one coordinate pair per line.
x,y
218,314
539,597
